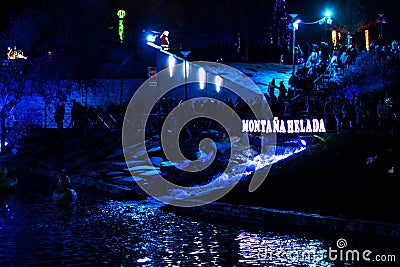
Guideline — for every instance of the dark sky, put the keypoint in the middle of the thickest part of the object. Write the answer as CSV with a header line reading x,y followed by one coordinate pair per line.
x,y
248,17
312,10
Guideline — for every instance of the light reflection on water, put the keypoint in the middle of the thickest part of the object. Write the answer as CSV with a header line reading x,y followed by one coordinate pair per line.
x,y
280,250
33,232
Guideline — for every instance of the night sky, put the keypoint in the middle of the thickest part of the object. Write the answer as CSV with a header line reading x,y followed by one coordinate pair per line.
x,y
312,10
250,18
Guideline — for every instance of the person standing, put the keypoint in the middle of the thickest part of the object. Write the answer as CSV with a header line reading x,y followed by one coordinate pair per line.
x,y
59,115
164,41
382,115
271,92
282,90
76,112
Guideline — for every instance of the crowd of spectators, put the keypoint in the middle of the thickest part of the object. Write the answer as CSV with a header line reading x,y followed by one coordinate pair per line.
x,y
372,111
90,117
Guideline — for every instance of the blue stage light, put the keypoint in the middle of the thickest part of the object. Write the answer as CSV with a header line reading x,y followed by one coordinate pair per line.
x,y
151,38
328,13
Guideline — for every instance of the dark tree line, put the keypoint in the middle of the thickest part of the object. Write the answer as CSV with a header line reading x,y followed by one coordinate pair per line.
x,y
62,40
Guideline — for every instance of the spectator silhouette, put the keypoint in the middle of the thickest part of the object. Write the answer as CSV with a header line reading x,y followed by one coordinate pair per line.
x,y
282,90
383,115
271,89
76,114
59,115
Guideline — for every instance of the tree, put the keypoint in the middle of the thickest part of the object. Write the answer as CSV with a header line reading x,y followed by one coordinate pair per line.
x,y
73,33
64,40
10,95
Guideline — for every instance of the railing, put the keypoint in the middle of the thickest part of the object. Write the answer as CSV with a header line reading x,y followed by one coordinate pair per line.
x,y
96,120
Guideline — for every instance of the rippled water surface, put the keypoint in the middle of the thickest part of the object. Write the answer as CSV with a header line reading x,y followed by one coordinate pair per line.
x,y
102,232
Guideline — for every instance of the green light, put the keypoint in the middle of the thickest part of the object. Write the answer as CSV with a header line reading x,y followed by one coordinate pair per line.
x,y
121,14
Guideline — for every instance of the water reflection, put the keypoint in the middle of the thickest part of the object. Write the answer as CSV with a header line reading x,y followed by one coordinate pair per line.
x,y
280,250
99,232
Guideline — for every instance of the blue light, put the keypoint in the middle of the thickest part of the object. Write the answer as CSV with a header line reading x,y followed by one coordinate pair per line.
x,y
5,144
328,13
151,38
296,24
303,142
327,17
